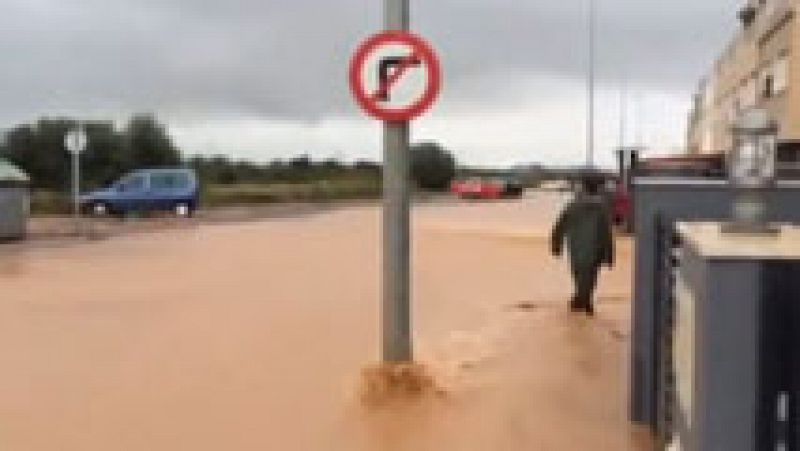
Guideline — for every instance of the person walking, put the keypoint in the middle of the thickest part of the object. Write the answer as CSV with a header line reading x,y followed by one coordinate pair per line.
x,y
585,225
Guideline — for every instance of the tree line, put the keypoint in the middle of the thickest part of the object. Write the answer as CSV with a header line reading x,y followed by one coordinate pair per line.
x,y
38,149
143,142
432,168
221,170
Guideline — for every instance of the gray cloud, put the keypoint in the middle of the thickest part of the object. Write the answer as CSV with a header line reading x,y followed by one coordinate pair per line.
x,y
288,58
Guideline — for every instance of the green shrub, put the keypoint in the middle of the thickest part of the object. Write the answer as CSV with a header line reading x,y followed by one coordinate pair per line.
x,y
433,168
321,191
50,203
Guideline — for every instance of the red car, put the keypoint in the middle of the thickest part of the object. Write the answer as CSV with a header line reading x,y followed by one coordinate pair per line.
x,y
622,206
485,189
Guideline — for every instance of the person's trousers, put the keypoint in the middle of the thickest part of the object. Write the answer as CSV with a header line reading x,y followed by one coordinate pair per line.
x,y
585,283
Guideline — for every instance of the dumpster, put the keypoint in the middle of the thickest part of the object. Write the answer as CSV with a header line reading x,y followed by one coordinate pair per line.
x,y
14,202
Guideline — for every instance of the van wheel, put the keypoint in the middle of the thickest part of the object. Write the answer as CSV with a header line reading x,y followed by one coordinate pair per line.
x,y
183,210
99,209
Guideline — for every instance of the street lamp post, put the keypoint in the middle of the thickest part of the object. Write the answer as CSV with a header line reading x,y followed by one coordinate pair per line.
x,y
623,112
591,86
752,168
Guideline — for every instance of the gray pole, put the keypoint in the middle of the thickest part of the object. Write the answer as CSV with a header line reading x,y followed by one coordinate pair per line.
x,y
623,113
591,82
638,106
397,345
76,190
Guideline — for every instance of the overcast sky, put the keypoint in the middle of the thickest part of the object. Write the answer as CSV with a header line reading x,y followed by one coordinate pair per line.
x,y
260,79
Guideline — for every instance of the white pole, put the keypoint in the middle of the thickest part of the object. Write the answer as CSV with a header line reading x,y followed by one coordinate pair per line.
x,y
623,113
397,345
640,120
76,190
590,144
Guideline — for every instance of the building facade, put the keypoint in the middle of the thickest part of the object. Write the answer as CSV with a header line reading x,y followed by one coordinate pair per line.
x,y
760,68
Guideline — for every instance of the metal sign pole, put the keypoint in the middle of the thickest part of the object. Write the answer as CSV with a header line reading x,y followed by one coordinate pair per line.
x,y
590,137
76,190
75,142
397,346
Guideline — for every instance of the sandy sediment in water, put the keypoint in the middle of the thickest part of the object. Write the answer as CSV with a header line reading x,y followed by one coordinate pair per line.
x,y
256,336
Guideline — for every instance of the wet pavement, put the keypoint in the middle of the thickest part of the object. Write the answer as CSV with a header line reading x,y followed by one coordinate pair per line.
x,y
254,336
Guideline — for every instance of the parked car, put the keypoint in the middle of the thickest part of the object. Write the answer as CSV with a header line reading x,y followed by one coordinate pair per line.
x,y
622,205
477,188
147,190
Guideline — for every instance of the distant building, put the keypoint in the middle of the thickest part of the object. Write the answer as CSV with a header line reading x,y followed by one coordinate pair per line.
x,y
759,68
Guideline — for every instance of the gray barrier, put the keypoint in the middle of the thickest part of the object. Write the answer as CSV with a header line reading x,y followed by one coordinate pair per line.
x,y
659,203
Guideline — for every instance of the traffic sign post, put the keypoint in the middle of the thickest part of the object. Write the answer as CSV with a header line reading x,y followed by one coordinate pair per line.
x,y
76,142
395,77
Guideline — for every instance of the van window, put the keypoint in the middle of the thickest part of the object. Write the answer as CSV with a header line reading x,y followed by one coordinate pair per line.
x,y
169,180
132,184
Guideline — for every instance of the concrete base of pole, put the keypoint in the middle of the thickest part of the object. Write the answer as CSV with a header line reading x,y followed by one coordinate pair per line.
x,y
749,215
398,382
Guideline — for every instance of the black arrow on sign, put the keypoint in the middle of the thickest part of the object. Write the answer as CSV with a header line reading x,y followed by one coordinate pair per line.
x,y
400,64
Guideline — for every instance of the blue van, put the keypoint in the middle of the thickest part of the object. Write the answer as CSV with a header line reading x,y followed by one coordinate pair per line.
x,y
171,190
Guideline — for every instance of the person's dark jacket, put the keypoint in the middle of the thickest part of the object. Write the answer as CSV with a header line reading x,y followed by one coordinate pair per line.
x,y
585,224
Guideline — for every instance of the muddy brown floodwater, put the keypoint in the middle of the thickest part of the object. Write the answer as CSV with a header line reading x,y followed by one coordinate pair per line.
x,y
255,336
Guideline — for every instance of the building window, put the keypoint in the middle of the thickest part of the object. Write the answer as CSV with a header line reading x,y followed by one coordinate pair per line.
x,y
748,93
780,74
768,90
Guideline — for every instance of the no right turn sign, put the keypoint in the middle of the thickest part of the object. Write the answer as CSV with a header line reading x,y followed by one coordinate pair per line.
x,y
395,76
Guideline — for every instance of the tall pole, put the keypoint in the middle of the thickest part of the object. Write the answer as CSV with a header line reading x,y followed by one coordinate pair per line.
x,y
76,191
591,86
623,112
639,120
397,346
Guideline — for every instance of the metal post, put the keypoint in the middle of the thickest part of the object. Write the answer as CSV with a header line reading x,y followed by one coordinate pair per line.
x,y
623,113
76,190
591,86
397,346
640,120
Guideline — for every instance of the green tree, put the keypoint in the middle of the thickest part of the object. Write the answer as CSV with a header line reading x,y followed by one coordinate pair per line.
x,y
106,157
368,168
39,149
302,162
224,170
149,143
432,166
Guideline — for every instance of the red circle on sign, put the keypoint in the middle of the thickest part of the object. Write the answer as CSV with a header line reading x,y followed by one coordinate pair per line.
x,y
369,102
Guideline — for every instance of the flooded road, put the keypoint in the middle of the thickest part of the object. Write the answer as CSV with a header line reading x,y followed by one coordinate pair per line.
x,y
254,336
